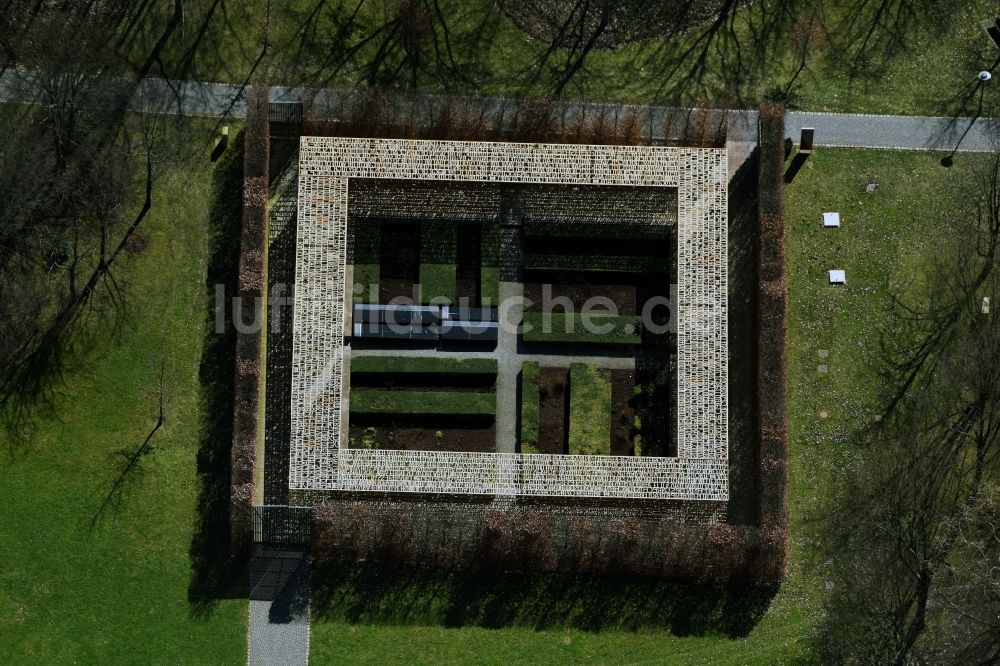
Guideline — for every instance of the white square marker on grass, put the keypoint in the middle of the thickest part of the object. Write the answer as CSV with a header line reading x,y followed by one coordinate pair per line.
x,y
838,277
831,219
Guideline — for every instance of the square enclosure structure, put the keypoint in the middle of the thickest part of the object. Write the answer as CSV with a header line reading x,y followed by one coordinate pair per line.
x,y
320,461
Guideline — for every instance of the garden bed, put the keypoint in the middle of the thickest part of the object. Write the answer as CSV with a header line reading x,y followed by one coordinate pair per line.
x,y
624,441
553,410
467,264
399,260
654,403
541,261
628,291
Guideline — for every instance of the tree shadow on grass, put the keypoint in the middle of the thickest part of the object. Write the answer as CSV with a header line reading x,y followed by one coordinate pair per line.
x,y
215,574
370,593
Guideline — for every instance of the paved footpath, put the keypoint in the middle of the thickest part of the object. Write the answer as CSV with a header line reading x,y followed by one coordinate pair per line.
x,y
278,624
832,129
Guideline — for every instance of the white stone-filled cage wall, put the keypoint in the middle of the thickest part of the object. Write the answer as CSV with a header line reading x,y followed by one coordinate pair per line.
x,y
317,459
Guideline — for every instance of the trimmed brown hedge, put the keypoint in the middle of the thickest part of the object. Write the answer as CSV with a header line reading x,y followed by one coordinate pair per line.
x,y
246,389
373,113
651,541
772,330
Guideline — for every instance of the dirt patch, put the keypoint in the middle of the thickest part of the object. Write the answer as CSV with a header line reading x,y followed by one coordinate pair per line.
x,y
553,410
399,260
424,433
579,290
135,244
589,246
623,413
629,293
655,405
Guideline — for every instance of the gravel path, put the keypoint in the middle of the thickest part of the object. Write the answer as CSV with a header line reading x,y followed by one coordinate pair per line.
x,y
832,129
278,627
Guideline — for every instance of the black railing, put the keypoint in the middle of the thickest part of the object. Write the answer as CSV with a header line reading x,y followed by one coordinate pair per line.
x,y
282,524
286,119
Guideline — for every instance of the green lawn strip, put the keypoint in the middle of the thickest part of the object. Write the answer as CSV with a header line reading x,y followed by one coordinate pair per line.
x,y
589,410
529,407
437,283
421,365
596,263
489,290
438,253
440,642
561,327
118,591
366,277
423,402
365,243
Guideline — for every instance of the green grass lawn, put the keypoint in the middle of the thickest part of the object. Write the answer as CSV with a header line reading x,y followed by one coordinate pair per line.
x,y
118,592
479,50
886,237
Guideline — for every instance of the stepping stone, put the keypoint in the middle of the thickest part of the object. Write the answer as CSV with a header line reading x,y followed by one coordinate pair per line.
x,y
831,220
823,353
838,276
822,369
824,415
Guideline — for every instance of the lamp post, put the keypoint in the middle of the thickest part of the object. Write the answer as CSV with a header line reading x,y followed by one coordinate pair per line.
x,y
981,80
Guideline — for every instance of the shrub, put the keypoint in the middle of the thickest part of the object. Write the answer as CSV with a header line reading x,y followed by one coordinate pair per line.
x,y
530,400
569,328
423,402
399,365
589,410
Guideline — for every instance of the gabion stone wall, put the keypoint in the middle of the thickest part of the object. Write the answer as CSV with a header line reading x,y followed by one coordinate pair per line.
x,y
317,459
